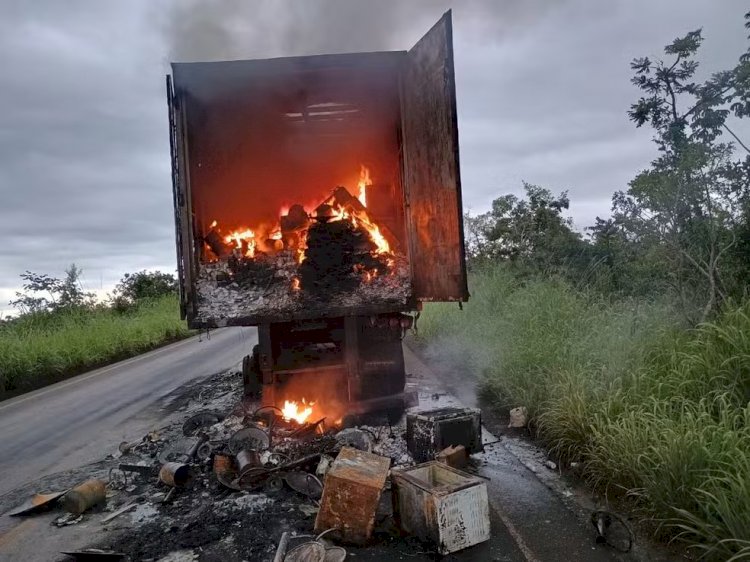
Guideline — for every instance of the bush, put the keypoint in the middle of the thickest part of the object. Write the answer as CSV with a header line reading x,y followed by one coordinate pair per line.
x,y
41,346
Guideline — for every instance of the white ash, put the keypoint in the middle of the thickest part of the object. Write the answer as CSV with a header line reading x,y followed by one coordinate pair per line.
x,y
179,556
143,513
246,502
218,302
390,442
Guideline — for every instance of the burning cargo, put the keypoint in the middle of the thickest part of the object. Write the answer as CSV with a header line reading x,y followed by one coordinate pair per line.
x,y
319,198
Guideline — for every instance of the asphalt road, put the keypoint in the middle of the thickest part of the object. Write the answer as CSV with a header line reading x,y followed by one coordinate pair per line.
x,y
78,421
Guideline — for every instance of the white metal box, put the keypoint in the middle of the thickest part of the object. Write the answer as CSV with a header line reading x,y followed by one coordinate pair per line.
x,y
442,505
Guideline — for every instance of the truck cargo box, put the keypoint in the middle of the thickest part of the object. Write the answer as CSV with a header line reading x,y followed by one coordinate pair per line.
x,y
317,186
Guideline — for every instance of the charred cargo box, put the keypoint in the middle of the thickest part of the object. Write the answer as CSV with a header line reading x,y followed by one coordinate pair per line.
x,y
317,187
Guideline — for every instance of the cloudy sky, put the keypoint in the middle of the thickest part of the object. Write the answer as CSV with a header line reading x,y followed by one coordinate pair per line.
x,y
543,89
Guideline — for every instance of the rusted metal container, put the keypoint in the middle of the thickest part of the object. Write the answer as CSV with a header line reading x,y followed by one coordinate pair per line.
x,y
175,474
84,496
442,505
428,433
351,494
247,459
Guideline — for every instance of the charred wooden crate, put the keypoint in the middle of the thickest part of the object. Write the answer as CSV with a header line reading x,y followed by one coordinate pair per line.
x,y
319,186
442,505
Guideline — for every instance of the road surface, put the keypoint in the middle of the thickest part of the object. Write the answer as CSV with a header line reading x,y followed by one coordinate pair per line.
x,y
78,421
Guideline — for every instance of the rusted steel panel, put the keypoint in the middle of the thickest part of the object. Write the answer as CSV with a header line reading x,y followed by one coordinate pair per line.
x,y
175,145
351,494
431,168
216,79
442,505
181,200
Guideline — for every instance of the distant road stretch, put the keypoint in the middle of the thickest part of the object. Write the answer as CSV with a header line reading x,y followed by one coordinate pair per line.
x,y
80,420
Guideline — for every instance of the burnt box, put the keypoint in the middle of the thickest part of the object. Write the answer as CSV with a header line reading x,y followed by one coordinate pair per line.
x,y
441,505
428,433
351,494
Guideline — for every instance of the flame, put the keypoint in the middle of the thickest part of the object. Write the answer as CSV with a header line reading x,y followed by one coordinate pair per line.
x,y
246,240
295,284
360,218
238,236
364,181
293,411
377,237
241,237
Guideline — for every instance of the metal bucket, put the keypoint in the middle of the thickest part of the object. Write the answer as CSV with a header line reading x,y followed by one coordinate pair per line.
x,y
175,474
84,496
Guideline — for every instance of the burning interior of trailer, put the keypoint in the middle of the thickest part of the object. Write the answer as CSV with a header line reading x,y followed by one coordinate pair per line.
x,y
296,192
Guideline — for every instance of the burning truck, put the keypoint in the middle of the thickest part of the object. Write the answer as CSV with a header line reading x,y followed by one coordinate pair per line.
x,y
319,199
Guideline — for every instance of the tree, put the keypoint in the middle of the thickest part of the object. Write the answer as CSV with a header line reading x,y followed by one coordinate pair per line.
x,y
44,293
531,232
146,285
693,198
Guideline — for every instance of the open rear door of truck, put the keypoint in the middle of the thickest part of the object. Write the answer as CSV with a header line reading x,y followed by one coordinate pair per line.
x,y
431,168
177,148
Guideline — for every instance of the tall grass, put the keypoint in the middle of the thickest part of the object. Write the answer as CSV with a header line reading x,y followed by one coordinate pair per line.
x,y
38,348
655,412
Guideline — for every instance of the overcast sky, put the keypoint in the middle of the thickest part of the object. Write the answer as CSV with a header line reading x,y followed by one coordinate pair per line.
x,y
543,89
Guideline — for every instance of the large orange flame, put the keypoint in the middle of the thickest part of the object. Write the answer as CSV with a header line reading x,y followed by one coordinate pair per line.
x,y
294,411
246,239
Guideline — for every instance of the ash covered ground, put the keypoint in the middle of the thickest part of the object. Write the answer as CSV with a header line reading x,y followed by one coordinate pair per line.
x,y
265,288
207,521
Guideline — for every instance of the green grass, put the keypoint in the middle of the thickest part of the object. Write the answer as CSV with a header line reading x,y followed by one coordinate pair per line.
x,y
39,348
657,413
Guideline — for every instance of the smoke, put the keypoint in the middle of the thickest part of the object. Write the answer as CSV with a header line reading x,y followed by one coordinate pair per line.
x,y
199,30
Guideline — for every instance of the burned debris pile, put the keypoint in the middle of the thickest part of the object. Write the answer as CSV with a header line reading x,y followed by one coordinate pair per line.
x,y
334,256
248,483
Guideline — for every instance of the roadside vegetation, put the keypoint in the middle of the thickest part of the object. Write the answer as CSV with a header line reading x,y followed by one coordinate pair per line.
x,y
62,331
630,345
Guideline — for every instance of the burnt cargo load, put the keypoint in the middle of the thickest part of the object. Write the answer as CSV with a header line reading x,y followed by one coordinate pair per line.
x,y
317,187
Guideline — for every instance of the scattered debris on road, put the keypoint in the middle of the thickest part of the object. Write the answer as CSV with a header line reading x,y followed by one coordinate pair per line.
x,y
37,504
519,417
231,479
612,530
454,456
94,555
84,496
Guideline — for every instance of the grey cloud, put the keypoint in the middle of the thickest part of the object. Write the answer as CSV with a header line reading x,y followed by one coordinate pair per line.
x,y
543,87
